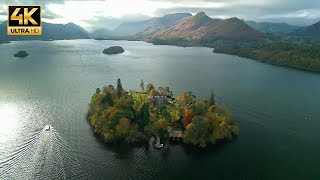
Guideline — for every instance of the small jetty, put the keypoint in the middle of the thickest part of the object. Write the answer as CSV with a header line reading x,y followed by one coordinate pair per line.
x,y
157,145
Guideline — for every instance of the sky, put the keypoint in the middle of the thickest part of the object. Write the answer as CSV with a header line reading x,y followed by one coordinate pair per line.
x,y
95,14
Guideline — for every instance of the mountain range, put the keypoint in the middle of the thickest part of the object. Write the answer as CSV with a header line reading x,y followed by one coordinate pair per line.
x,y
201,27
50,32
132,28
310,32
181,26
273,28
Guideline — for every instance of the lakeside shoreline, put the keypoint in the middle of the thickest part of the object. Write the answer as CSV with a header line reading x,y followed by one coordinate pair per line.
x,y
219,50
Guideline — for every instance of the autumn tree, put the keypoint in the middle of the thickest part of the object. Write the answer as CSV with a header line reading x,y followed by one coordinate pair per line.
x,y
187,119
186,98
149,87
122,129
153,92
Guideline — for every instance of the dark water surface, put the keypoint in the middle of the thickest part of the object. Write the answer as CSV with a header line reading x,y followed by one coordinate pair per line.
x,y
277,109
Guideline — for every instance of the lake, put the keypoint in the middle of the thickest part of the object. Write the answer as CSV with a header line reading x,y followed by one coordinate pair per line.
x,y
277,110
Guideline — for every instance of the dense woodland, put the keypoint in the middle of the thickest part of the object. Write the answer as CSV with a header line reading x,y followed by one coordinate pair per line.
x,y
291,52
118,116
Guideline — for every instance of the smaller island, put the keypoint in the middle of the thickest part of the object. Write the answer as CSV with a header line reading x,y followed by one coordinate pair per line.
x,y
21,54
100,39
119,116
4,42
113,50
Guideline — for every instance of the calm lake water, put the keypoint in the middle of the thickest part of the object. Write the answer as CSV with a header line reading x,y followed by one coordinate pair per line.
x,y
276,108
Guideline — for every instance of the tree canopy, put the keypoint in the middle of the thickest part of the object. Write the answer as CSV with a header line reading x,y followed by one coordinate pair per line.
x,y
120,116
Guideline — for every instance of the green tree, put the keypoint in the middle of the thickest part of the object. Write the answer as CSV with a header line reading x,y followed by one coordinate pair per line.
x,y
212,100
98,90
107,99
143,116
198,132
119,87
142,85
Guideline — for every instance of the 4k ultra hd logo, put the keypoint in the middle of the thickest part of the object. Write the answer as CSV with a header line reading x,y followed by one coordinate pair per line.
x,y
24,20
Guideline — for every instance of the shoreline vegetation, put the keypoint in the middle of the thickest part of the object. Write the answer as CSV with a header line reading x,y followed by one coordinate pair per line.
x,y
291,52
132,117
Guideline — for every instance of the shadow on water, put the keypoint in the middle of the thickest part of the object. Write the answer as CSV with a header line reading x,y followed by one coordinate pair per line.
x,y
125,150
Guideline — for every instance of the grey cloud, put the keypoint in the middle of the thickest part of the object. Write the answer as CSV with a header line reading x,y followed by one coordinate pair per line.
x,y
31,2
111,23
301,12
47,14
293,12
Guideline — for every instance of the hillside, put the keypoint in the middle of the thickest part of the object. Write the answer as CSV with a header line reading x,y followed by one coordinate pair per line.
x,y
127,29
102,33
273,28
235,37
311,32
202,28
50,31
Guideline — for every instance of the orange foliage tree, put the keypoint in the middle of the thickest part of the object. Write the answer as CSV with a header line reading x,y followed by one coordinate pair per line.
x,y
187,119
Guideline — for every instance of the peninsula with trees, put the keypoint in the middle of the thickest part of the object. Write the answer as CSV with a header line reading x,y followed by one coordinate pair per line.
x,y
120,116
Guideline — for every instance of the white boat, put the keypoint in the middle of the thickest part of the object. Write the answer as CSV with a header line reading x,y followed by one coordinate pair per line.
x,y
47,128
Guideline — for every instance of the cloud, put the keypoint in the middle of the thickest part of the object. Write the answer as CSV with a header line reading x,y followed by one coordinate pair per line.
x,y
110,13
45,12
291,11
99,22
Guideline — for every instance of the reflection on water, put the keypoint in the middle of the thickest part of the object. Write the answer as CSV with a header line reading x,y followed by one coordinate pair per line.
x,y
43,156
9,120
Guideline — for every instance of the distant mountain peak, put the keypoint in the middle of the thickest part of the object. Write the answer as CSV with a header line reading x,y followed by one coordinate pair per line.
x,y
201,15
233,19
71,24
203,28
200,19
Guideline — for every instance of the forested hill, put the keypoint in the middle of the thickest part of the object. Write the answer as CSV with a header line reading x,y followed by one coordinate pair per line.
x,y
311,32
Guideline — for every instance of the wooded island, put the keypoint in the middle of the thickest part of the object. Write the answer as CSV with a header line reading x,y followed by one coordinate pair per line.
x,y
117,115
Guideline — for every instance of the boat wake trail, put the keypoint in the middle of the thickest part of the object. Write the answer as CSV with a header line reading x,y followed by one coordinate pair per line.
x,y
43,156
